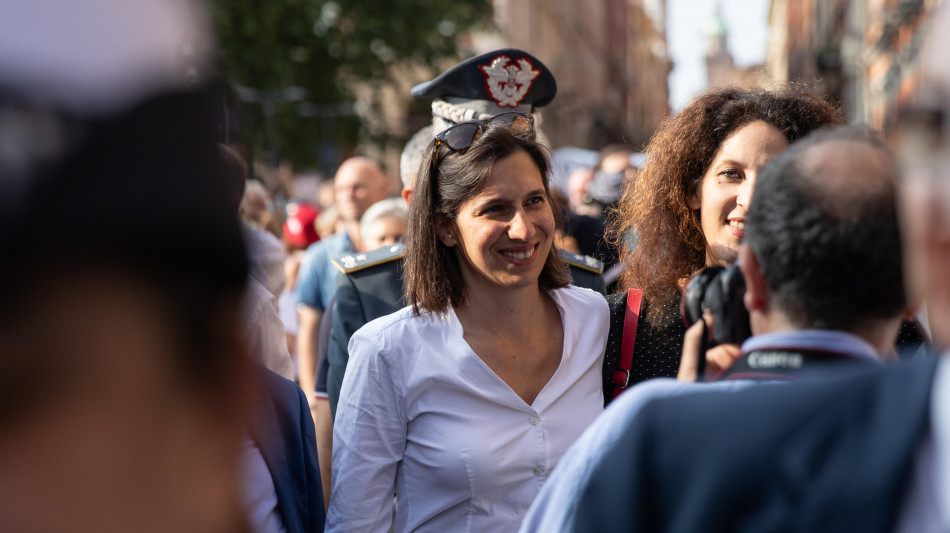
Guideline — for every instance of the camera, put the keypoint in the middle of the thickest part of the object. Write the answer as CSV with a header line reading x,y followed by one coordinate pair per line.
x,y
720,291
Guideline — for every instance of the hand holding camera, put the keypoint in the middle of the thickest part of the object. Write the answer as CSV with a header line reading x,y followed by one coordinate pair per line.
x,y
717,319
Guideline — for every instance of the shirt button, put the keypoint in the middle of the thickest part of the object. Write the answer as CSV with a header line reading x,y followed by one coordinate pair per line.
x,y
538,472
534,421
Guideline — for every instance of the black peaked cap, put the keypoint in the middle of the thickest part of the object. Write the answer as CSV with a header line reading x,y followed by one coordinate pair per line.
x,y
509,77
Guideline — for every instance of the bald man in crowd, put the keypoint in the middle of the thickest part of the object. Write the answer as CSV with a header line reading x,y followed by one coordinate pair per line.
x,y
358,184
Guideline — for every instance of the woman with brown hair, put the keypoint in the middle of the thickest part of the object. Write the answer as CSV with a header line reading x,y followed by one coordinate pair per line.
x,y
686,210
462,402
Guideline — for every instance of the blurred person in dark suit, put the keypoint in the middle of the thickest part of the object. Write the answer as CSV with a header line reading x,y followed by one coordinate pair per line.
x,y
280,477
281,487
125,384
123,378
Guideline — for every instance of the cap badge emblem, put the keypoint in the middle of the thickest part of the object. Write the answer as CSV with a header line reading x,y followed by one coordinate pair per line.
x,y
508,84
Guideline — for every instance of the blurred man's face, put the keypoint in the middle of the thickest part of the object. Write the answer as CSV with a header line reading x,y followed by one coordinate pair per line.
x,y
924,149
110,436
577,187
358,185
616,162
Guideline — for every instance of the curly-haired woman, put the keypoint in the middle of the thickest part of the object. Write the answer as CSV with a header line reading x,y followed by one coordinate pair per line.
x,y
687,211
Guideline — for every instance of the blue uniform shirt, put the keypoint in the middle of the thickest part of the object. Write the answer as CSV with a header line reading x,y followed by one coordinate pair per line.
x,y
317,276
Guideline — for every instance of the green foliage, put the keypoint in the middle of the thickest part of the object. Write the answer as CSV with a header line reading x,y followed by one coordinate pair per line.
x,y
269,45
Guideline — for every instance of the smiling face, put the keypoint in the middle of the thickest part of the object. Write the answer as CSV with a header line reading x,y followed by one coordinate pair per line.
x,y
504,233
726,190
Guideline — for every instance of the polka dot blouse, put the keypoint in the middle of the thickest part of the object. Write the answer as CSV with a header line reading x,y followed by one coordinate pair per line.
x,y
659,343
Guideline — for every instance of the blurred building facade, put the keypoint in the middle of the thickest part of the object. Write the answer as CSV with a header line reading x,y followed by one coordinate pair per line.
x,y
610,61
860,53
609,58
721,69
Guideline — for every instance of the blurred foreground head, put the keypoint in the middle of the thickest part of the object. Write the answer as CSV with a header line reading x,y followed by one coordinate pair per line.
x,y
121,377
924,150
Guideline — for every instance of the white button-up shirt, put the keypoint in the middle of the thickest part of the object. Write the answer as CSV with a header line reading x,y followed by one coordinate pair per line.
x,y
421,416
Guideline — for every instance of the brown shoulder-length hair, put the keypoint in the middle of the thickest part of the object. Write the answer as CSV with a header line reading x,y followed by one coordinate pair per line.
x,y
446,180
660,237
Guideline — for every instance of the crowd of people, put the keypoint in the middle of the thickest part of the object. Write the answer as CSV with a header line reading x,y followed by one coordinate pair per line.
x,y
726,335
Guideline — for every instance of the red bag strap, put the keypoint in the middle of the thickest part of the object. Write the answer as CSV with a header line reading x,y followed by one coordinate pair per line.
x,y
628,341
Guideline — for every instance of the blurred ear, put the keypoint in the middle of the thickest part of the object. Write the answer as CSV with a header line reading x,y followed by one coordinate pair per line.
x,y
444,231
695,200
756,290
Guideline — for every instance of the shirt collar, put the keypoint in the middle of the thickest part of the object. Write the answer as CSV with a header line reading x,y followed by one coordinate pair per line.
x,y
813,340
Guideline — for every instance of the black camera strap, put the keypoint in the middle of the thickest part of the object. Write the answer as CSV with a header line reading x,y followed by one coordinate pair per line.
x,y
784,363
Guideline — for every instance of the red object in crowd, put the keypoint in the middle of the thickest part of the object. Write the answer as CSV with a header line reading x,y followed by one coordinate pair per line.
x,y
300,228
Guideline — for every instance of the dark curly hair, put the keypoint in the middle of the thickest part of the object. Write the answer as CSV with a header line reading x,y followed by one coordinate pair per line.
x,y
670,245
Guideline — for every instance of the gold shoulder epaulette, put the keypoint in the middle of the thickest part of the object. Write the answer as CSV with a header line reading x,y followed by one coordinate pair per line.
x,y
350,263
585,262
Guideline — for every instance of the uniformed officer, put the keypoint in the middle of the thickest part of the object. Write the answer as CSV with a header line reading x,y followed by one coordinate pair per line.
x,y
371,284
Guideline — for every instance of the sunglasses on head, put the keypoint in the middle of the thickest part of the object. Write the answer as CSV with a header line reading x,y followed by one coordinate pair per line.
x,y
462,135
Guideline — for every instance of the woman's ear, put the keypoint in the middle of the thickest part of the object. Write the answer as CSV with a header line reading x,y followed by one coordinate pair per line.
x,y
695,199
443,230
